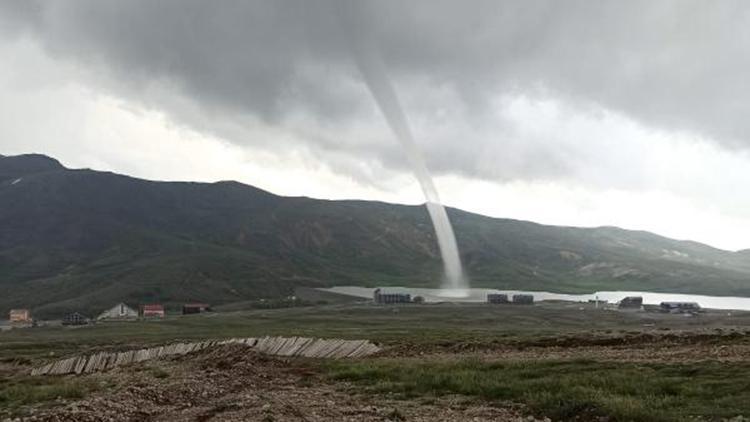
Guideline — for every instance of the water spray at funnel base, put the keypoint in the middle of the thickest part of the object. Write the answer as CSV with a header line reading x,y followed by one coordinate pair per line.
x,y
455,284
373,72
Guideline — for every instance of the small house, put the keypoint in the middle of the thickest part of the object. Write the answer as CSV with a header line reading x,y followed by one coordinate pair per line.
x,y
680,307
195,308
75,319
152,311
20,316
521,299
120,311
497,298
631,302
389,298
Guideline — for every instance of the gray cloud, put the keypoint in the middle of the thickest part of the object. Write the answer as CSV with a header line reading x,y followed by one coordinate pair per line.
x,y
671,65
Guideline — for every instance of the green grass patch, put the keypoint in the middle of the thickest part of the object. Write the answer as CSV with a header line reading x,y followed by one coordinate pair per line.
x,y
566,390
16,392
415,324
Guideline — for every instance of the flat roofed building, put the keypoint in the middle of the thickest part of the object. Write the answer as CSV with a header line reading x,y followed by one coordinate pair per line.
x,y
523,299
631,302
497,298
388,298
680,307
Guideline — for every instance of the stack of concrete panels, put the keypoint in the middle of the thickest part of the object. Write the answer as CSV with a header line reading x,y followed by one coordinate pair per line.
x,y
314,348
279,346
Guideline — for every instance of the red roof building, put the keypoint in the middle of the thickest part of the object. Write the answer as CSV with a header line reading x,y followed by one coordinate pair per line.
x,y
152,311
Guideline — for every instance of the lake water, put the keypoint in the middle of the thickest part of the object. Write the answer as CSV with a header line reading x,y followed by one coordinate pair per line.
x,y
480,295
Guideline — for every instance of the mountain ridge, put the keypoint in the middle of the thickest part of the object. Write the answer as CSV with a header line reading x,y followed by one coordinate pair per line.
x,y
80,239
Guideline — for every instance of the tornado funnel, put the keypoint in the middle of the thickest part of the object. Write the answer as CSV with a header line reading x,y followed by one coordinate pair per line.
x,y
375,76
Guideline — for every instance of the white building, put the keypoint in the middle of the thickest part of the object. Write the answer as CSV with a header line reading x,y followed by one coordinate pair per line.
x,y
119,311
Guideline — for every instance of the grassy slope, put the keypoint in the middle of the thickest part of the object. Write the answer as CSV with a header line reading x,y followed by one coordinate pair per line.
x,y
83,240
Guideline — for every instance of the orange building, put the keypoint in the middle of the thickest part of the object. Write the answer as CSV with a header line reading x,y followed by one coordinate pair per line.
x,y
20,315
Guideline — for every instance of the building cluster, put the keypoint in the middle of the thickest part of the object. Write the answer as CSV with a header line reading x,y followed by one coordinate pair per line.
x,y
636,302
121,312
518,299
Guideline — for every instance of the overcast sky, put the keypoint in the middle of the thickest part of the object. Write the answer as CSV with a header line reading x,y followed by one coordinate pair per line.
x,y
586,113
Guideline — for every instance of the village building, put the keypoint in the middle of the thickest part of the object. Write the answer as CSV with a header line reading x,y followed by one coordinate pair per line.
x,y
120,311
680,307
631,302
75,318
389,298
195,308
497,298
152,311
20,316
523,299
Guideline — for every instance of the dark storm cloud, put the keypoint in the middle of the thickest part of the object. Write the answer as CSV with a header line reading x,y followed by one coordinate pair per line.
x,y
673,65
244,54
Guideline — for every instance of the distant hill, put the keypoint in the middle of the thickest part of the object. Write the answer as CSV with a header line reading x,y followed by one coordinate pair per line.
x,y
84,240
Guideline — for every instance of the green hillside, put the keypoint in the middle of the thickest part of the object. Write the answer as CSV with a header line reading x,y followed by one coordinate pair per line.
x,y
82,239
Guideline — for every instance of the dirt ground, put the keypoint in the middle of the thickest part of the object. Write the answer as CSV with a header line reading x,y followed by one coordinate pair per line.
x,y
231,384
